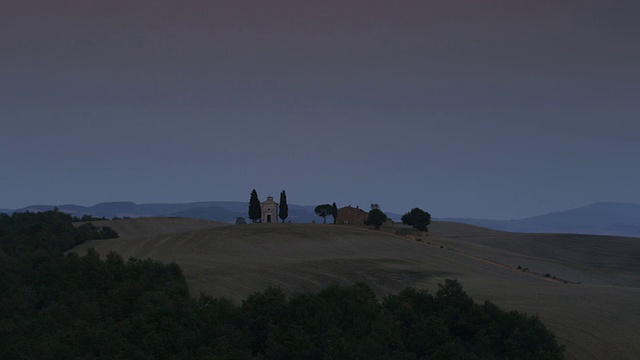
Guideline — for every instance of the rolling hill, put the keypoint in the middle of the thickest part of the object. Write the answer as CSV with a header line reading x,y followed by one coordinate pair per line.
x,y
589,298
606,218
617,219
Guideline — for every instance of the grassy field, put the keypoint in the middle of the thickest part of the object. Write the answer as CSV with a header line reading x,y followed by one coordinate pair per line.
x,y
586,288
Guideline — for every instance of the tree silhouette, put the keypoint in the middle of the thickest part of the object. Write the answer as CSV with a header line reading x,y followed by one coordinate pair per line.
x,y
255,213
323,211
376,218
334,212
417,218
284,208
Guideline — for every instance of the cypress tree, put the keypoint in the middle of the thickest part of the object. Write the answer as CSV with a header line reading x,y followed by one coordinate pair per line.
x,y
284,208
255,213
334,212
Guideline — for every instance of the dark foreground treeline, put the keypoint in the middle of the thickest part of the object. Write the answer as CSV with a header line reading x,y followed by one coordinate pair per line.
x,y
50,232
81,307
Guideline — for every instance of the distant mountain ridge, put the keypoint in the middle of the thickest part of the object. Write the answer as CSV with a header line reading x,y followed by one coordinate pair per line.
x,y
604,218
224,211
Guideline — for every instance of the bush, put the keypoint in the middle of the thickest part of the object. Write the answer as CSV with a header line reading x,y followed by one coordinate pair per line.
x,y
417,218
376,218
107,233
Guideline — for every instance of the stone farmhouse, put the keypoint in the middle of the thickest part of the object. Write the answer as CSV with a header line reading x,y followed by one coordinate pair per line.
x,y
351,215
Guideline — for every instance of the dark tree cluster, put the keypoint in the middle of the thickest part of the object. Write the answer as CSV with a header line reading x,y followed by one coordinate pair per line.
x,y
376,218
323,211
91,218
417,218
49,231
72,307
351,323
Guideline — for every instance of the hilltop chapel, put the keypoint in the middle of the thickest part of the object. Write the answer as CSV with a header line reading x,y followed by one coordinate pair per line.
x,y
269,210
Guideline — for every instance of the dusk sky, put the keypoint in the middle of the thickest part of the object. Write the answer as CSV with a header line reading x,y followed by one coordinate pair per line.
x,y
485,109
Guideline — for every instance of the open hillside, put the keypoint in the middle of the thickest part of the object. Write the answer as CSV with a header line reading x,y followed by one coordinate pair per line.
x,y
590,297
147,227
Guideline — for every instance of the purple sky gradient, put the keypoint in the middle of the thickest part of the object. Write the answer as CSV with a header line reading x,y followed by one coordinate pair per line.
x,y
494,109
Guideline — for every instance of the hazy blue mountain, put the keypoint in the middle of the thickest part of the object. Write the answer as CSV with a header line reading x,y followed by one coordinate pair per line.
x,y
69,208
225,211
605,218
131,209
35,208
394,217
